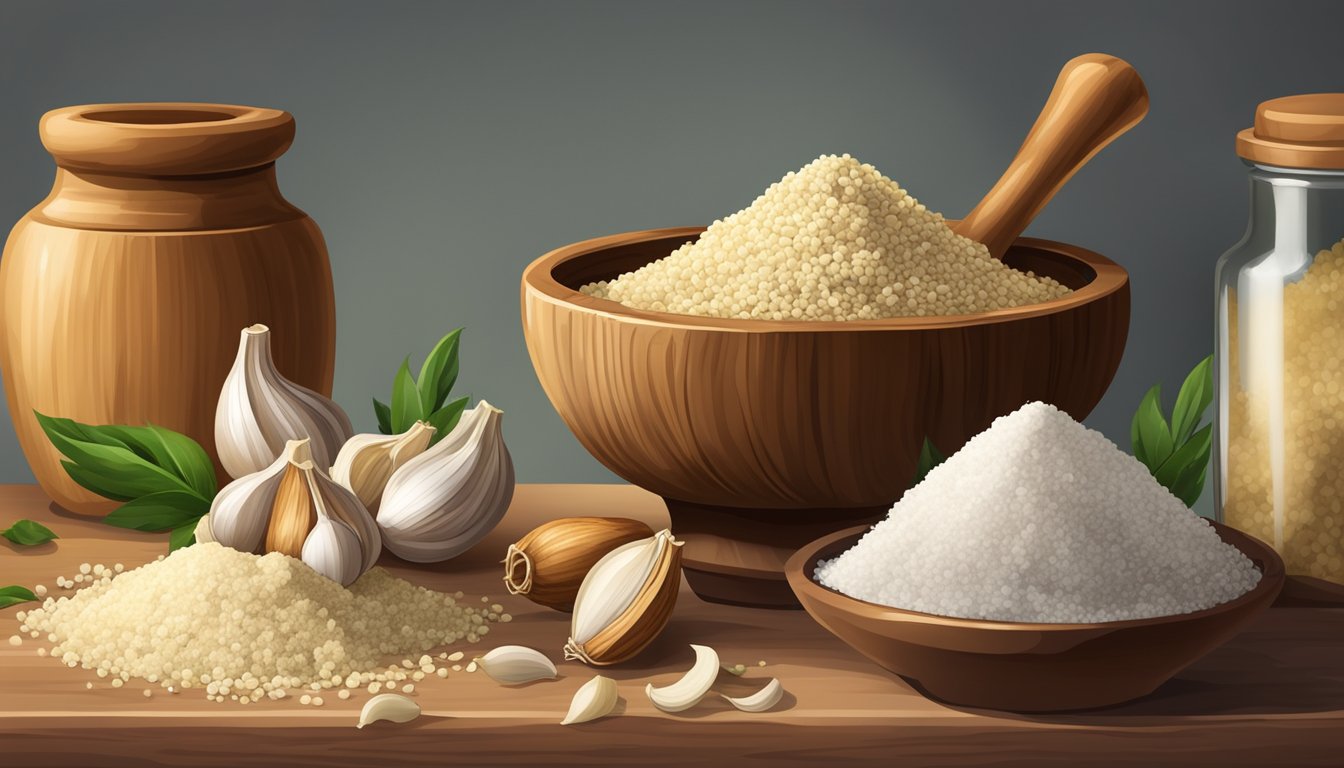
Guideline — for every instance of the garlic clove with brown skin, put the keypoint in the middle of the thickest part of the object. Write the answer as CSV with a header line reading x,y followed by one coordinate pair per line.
x,y
367,461
259,410
439,504
240,514
548,564
625,601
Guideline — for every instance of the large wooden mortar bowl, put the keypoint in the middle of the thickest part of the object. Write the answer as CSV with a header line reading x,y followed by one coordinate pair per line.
x,y
764,435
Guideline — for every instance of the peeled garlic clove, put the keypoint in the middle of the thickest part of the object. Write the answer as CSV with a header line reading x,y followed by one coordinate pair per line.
x,y
439,504
366,462
388,706
547,565
332,548
516,664
259,410
692,687
240,514
760,701
625,601
595,698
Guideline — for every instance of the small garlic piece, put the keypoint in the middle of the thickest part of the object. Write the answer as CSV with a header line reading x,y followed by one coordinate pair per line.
x,y
595,698
292,508
547,565
259,410
625,601
388,706
367,461
516,664
760,701
692,687
439,504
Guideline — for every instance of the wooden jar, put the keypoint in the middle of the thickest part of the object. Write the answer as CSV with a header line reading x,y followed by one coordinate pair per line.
x,y
123,292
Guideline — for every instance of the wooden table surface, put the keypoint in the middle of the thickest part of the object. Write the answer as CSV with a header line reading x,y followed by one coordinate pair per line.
x,y
1271,697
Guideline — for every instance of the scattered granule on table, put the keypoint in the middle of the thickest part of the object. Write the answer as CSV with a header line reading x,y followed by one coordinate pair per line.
x,y
242,625
1039,519
835,240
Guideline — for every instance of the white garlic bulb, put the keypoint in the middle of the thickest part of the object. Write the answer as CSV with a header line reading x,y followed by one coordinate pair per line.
x,y
448,498
291,507
366,462
259,410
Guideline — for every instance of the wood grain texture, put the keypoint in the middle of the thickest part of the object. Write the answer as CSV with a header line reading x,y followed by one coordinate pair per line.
x,y
763,435
123,293
1273,695
1095,99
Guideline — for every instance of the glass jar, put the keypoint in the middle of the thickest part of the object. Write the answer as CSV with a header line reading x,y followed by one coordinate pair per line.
x,y
1280,341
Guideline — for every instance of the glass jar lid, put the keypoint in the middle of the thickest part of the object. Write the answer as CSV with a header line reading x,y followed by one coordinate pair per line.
x,y
1304,131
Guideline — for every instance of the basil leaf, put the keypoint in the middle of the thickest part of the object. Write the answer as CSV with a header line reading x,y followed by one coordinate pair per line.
x,y
444,419
384,414
929,457
1195,397
1136,441
15,595
1153,430
109,466
159,511
1185,457
438,374
27,533
406,408
188,460
183,536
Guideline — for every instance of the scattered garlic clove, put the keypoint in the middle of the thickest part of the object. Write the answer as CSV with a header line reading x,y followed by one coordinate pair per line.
x,y
388,706
547,565
366,462
692,687
439,504
516,664
760,701
594,699
259,410
625,601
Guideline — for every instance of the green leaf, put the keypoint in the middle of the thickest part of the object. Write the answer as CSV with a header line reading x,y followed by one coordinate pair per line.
x,y
183,536
15,595
160,511
929,457
187,459
108,464
27,533
1194,399
438,374
444,419
1154,434
1189,484
1136,440
1185,457
406,408
384,414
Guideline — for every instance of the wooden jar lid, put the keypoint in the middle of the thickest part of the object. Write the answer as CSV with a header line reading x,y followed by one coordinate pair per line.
x,y
1304,131
165,138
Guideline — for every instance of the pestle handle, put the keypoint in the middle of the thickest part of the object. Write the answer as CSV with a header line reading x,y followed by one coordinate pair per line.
x,y
1096,98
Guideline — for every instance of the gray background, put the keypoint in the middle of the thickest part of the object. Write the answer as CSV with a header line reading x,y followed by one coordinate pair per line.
x,y
442,146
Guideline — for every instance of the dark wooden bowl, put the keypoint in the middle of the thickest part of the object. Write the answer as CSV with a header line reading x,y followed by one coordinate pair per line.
x,y
763,435
1028,667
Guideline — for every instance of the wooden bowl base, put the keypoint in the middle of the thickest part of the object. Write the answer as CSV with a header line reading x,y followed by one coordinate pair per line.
x,y
736,555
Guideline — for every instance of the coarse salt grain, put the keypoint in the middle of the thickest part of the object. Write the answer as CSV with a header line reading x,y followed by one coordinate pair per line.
x,y
835,240
1039,519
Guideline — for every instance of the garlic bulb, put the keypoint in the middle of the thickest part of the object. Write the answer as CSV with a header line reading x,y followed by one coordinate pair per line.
x,y
367,461
625,601
448,498
259,410
292,508
547,565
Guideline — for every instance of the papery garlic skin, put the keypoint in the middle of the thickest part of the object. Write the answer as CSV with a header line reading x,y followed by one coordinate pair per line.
x,y
439,504
259,410
625,601
366,462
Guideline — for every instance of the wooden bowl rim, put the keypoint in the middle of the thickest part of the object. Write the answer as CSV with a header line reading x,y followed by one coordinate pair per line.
x,y
800,568
1110,278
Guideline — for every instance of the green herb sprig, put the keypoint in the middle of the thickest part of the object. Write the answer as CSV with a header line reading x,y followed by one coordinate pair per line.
x,y
1175,453
164,477
425,398
929,457
14,595
27,533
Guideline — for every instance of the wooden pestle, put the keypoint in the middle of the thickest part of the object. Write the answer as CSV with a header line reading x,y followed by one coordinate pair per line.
x,y
1096,98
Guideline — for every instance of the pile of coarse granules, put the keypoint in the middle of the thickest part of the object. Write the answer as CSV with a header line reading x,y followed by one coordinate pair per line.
x,y
835,240
1039,519
243,627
